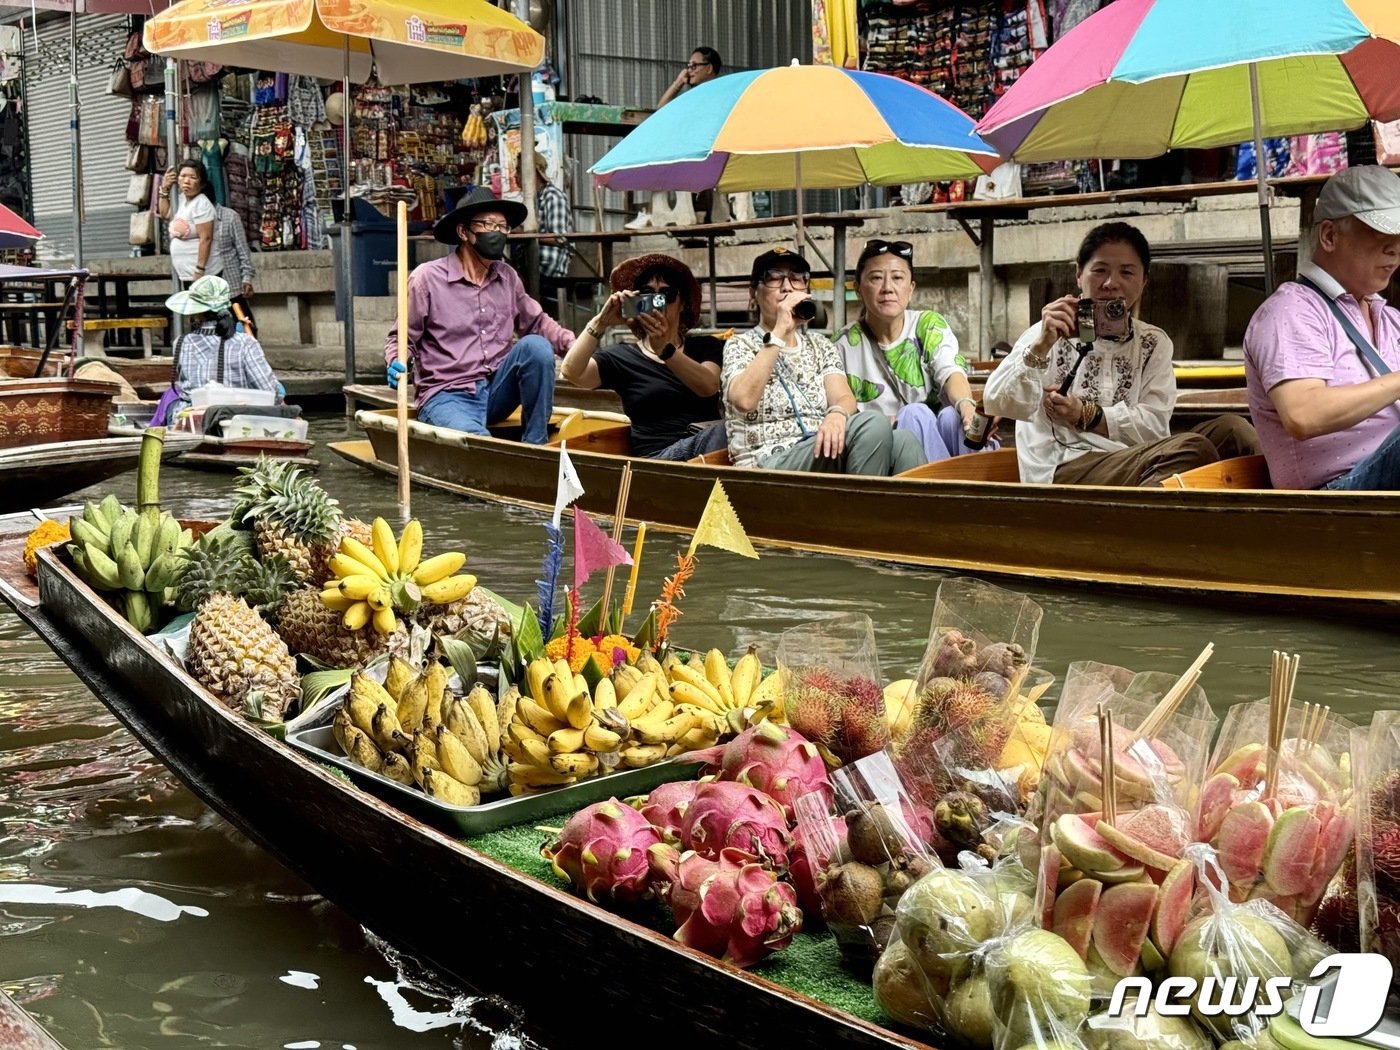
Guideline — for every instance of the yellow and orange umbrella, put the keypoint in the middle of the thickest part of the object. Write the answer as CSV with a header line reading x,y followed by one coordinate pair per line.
x,y
403,41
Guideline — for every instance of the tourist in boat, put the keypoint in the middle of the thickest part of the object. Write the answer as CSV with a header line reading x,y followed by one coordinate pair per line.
x,y
905,363
668,380
480,346
1102,417
787,405
1322,355
214,350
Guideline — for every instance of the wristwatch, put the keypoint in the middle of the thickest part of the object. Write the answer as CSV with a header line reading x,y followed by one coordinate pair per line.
x,y
767,338
667,352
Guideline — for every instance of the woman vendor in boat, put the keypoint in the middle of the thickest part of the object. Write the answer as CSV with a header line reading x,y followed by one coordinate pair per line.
x,y
905,363
216,349
669,380
787,405
1099,413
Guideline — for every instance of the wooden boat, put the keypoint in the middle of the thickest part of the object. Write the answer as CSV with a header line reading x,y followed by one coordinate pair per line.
x,y
40,474
1271,548
566,397
485,923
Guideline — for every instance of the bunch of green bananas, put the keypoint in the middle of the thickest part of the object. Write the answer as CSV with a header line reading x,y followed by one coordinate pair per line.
x,y
136,554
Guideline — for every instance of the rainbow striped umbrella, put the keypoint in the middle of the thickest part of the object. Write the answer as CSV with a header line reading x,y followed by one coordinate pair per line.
x,y
1141,77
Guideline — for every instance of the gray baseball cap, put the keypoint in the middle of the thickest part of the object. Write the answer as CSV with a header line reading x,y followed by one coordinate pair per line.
x,y
1369,191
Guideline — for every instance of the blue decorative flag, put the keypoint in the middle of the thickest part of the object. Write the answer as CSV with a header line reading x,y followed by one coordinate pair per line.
x,y
545,586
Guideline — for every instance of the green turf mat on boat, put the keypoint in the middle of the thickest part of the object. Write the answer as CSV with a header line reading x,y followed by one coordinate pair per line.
x,y
811,964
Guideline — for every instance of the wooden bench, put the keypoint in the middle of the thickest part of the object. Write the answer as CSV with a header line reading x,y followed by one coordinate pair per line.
x,y
1243,472
147,326
997,465
718,458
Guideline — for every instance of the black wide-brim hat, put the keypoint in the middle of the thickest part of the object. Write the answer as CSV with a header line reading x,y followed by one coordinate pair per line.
x,y
626,273
479,200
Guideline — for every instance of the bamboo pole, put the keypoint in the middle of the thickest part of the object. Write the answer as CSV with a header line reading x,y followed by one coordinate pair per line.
x,y
624,489
402,279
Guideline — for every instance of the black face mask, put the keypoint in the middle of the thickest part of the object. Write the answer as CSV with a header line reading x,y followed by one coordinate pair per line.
x,y
490,245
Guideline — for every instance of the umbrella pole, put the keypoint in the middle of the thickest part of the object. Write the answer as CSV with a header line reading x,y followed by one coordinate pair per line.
x,y
797,182
402,281
347,240
77,159
1261,178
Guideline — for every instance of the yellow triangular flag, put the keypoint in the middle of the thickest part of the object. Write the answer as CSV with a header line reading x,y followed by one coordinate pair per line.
x,y
719,527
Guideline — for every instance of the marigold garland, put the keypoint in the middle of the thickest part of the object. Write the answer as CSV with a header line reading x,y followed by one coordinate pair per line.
x,y
672,591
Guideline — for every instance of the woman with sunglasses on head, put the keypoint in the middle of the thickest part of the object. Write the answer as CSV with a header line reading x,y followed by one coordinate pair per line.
x,y
787,405
669,380
1098,412
905,363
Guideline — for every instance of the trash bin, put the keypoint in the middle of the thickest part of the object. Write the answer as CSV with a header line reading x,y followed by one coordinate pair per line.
x,y
375,255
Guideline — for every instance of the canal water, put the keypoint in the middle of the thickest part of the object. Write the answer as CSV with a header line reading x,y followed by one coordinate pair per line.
x,y
131,916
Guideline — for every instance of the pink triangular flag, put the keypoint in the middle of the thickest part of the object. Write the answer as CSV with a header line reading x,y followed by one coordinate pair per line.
x,y
594,549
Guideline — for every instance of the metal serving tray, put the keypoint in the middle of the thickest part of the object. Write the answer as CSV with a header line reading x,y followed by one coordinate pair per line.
x,y
466,821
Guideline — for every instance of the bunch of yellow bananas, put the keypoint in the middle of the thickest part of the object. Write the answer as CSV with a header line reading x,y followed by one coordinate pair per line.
x,y
373,585
559,733
739,698
414,731
474,130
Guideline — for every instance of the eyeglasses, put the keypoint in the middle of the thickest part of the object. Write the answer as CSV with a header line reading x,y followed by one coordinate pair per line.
x,y
696,65
903,249
490,227
775,278
669,294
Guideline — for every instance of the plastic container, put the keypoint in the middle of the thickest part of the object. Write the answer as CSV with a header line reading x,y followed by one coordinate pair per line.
x,y
250,427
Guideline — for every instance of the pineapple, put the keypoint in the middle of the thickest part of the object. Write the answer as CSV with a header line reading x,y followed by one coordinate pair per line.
x,y
308,626
223,560
291,515
476,614
236,656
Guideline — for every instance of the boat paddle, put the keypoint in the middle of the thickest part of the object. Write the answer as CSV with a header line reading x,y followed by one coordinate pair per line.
x,y
402,278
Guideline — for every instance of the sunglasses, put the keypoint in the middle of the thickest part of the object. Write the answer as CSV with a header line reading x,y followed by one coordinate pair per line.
x,y
696,65
669,294
775,278
903,249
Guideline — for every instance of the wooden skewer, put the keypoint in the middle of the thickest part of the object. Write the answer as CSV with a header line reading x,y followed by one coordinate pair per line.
x,y
1280,697
1172,698
624,489
1108,765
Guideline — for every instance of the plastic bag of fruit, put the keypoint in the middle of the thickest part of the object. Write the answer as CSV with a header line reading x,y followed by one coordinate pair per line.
x,y
1139,1025
1038,989
831,686
864,849
1286,842
1249,940
1378,843
931,975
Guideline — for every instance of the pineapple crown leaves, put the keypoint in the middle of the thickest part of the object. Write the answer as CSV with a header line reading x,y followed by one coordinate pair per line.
x,y
279,494
225,563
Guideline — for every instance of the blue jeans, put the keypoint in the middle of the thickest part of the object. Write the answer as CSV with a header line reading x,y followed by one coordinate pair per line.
x,y
525,379
1378,472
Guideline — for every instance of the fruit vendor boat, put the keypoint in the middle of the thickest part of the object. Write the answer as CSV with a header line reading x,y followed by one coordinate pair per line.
x,y
493,926
1216,535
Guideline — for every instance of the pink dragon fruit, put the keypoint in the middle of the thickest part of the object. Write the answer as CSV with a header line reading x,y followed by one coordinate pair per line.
x,y
724,815
732,908
602,851
665,807
778,761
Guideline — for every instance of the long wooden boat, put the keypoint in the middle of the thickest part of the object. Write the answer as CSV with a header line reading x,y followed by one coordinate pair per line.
x,y
1318,550
545,950
39,474
566,396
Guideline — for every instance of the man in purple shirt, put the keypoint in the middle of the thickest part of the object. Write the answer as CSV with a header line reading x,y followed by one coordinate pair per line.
x,y
1322,355
480,346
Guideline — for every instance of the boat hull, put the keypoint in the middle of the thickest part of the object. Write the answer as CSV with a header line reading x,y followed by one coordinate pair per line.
x,y
39,474
488,926
1279,548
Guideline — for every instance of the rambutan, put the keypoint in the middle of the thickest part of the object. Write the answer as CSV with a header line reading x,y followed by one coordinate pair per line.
x,y
1338,918
1385,851
863,727
812,712
1385,796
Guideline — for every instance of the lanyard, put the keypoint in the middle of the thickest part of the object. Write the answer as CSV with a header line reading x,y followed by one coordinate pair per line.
x,y
778,369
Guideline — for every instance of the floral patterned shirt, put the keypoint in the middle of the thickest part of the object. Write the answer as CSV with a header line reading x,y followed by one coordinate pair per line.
x,y
910,370
1132,380
793,403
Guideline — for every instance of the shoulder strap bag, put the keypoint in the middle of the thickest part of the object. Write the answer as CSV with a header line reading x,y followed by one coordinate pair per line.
x,y
1362,344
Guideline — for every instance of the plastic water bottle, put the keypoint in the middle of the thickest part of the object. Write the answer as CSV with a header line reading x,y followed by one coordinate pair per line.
x,y
761,205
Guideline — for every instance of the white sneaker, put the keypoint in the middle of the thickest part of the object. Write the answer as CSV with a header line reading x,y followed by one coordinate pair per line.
x,y
641,222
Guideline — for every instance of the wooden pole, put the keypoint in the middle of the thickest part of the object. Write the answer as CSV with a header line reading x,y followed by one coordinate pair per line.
x,y
624,488
402,277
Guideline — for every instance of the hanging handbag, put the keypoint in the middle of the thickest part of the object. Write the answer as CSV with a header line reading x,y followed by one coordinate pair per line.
x,y
119,83
138,157
143,229
138,190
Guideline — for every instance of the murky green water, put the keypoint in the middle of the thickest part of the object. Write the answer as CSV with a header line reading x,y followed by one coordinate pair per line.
x,y
131,916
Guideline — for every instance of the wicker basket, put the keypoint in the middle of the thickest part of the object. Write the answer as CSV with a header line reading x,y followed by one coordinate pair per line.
x,y
43,411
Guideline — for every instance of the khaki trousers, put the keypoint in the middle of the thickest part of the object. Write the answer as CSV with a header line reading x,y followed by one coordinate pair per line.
x,y
1147,466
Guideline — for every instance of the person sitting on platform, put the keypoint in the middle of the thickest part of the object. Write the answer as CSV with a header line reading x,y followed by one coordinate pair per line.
x,y
787,405
479,345
905,363
668,381
1322,355
1100,414
214,350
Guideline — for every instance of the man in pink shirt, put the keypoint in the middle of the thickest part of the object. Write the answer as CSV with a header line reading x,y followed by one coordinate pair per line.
x,y
479,345
1322,355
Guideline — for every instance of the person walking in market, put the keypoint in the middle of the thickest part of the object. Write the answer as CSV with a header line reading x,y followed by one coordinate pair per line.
x,y
479,345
